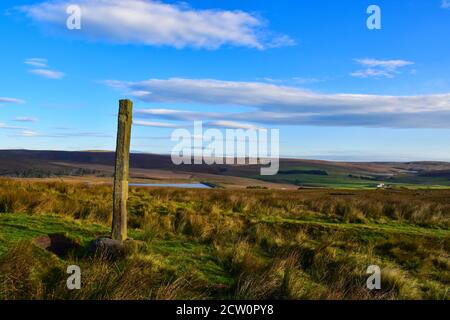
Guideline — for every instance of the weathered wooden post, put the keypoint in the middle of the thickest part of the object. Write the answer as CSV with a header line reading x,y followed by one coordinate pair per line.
x,y
120,196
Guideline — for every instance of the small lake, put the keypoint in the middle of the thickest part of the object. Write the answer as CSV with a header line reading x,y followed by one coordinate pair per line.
x,y
172,185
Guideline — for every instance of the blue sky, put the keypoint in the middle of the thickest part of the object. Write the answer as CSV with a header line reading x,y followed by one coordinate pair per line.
x,y
311,68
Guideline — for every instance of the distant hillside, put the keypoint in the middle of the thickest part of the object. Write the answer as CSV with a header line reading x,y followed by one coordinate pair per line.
x,y
306,173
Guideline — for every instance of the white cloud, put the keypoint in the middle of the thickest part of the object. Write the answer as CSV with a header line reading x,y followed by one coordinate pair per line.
x,y
154,124
50,74
11,100
28,133
283,105
293,80
6,126
156,23
272,97
300,80
82,134
42,69
37,62
445,4
232,125
26,119
367,73
387,64
280,41
380,68
159,112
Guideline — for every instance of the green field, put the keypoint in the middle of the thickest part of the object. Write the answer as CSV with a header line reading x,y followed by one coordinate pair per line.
x,y
351,179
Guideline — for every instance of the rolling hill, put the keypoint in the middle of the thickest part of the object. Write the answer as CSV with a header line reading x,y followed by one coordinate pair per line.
x,y
293,172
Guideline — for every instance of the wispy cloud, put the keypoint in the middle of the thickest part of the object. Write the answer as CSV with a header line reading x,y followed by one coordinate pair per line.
x,y
26,119
232,125
177,115
380,68
445,4
37,62
386,64
154,124
42,69
6,126
283,105
300,80
82,134
27,133
215,124
156,23
293,80
4,100
50,74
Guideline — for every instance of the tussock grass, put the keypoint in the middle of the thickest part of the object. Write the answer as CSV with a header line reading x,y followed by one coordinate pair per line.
x,y
214,244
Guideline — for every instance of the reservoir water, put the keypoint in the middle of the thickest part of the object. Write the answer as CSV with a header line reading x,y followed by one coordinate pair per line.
x,y
172,185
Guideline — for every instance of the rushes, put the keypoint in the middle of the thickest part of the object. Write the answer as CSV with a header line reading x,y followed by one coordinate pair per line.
x,y
246,244
16,273
94,202
78,201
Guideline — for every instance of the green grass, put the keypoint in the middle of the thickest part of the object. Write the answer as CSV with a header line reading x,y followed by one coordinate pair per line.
x,y
17,227
188,256
178,255
369,228
215,244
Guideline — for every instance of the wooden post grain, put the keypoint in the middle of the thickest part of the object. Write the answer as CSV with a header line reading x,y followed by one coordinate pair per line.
x,y
120,196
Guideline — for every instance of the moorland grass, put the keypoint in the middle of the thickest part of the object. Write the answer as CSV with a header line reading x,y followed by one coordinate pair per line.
x,y
237,244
